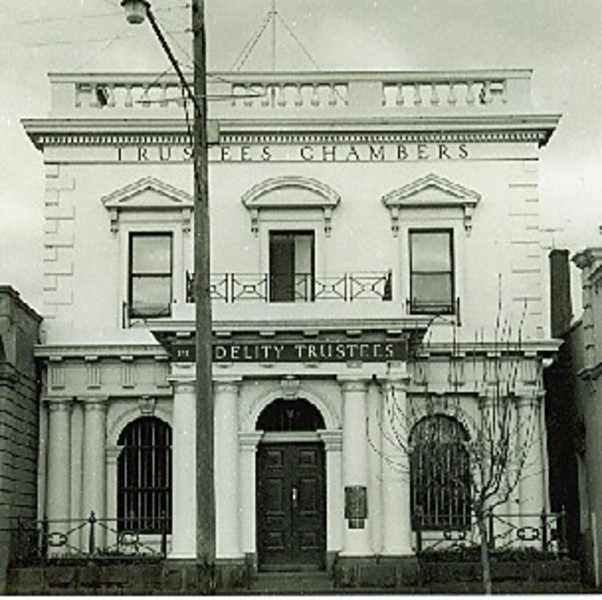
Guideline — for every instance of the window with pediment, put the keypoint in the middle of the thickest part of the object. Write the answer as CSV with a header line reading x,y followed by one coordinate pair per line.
x,y
150,221
433,218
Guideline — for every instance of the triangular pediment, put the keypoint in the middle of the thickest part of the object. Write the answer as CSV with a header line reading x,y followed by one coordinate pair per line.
x,y
431,190
148,193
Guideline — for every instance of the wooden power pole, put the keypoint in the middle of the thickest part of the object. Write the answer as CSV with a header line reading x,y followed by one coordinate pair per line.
x,y
205,509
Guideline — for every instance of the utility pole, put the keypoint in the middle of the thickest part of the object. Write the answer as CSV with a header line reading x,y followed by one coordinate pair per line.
x,y
202,282
137,11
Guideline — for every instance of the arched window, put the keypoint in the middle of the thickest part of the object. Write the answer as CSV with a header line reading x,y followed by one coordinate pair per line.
x,y
144,477
440,473
290,415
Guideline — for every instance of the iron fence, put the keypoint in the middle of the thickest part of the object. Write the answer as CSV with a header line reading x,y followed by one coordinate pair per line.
x,y
543,531
91,538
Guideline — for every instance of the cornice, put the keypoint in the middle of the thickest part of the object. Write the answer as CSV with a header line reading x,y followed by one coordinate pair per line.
x,y
85,351
411,129
529,349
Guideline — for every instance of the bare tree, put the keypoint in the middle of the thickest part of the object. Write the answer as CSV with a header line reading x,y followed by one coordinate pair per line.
x,y
477,441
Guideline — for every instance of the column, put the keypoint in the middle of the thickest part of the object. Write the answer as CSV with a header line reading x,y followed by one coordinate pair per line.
x,y
333,445
183,538
58,480
112,456
397,517
248,449
356,541
531,491
227,500
94,478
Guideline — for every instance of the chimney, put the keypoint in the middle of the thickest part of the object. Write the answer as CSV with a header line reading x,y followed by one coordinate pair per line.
x,y
561,308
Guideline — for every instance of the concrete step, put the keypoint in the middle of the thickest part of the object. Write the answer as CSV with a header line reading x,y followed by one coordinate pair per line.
x,y
315,582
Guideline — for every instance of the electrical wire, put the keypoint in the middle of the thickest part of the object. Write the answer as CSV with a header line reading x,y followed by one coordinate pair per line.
x,y
250,45
298,41
69,42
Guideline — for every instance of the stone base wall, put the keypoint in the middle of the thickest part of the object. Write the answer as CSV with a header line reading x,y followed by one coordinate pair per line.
x,y
115,577
377,572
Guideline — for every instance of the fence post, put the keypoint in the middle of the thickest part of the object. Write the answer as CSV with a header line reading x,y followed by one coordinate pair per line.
x,y
563,535
163,535
418,527
491,527
91,537
43,542
544,531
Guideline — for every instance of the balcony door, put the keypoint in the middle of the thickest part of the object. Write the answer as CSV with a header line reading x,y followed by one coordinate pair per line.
x,y
291,266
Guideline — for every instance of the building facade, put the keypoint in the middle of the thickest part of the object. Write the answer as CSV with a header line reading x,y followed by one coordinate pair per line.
x,y
574,392
19,421
375,259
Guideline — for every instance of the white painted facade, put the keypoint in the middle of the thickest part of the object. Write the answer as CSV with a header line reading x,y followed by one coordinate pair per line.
x,y
361,160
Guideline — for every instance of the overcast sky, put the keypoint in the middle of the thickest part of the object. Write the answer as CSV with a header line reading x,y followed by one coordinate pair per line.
x,y
560,39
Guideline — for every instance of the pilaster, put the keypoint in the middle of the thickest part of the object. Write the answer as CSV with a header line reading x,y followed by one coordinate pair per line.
x,y
227,503
356,539
184,468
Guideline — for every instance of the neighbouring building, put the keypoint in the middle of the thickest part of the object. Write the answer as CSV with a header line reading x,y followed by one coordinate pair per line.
x,y
575,391
19,421
375,244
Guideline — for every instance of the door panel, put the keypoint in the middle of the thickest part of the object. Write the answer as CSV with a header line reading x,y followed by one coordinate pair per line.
x,y
291,506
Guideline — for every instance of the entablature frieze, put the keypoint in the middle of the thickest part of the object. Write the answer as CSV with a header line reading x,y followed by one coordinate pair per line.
x,y
149,132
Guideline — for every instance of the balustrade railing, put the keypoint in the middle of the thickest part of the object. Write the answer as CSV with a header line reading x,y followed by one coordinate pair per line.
x,y
91,538
337,92
545,532
302,287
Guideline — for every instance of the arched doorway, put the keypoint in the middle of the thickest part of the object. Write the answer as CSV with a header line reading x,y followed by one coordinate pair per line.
x,y
291,488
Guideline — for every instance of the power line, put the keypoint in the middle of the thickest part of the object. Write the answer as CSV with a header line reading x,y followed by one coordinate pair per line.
x,y
21,44
45,20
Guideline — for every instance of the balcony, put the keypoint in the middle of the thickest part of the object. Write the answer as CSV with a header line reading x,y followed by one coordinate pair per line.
x,y
299,287
241,299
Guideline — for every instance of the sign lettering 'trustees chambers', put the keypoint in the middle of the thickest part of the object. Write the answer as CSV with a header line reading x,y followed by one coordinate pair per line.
x,y
334,153
297,352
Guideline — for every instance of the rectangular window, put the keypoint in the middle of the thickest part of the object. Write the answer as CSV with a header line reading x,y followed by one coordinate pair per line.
x,y
291,266
431,271
150,280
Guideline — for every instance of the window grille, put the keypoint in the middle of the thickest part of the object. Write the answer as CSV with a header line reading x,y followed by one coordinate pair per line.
x,y
440,473
144,502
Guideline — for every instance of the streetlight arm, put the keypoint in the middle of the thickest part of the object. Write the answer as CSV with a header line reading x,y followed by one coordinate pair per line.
x,y
172,58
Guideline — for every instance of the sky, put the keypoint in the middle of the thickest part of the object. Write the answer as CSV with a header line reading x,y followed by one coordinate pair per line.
x,y
559,39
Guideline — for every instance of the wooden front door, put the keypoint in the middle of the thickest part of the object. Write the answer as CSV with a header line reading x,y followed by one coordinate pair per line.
x,y
291,506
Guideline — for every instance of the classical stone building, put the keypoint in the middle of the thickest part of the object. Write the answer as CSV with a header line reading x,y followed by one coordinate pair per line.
x,y
375,243
19,420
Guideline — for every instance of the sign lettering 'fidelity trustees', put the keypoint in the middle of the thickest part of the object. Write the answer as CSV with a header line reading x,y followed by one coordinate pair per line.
x,y
298,352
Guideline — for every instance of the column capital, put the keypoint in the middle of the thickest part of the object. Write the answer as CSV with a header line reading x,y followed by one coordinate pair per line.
x,y
529,400
58,404
99,403
248,440
183,383
113,452
228,384
353,383
333,439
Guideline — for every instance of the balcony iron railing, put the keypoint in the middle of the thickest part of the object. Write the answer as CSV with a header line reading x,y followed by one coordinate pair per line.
x,y
303,287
